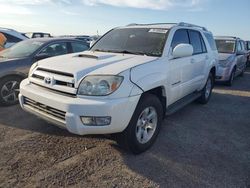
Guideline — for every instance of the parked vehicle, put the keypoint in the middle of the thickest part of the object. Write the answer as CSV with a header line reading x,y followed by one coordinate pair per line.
x,y
126,83
248,51
232,58
85,38
12,36
16,61
37,35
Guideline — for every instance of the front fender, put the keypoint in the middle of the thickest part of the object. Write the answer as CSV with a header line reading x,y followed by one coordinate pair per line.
x,y
150,81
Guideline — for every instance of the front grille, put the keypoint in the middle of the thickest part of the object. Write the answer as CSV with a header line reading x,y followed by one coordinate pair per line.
x,y
58,114
55,80
38,76
56,72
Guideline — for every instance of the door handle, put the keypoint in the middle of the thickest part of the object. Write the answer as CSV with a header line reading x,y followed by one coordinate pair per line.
x,y
192,61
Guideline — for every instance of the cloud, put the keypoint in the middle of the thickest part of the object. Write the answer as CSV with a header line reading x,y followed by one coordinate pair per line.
x,y
18,10
147,4
37,2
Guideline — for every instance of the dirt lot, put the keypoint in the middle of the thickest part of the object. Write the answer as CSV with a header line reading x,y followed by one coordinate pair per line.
x,y
199,146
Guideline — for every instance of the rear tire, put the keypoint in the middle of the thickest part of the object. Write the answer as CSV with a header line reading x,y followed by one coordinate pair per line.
x,y
9,90
144,125
207,90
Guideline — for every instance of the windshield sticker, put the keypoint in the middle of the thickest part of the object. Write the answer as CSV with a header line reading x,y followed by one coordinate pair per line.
x,y
163,31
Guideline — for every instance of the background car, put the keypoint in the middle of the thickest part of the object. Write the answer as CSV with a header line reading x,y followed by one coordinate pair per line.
x,y
85,38
232,58
16,61
12,36
248,51
37,35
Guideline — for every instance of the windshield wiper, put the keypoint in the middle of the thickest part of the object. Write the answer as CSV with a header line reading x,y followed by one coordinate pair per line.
x,y
130,52
126,52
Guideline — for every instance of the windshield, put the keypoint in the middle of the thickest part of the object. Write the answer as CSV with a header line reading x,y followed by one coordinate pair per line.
x,y
21,49
140,41
225,46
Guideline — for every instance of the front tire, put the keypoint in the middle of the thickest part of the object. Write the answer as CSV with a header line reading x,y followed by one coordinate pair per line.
x,y
231,79
144,125
9,90
207,90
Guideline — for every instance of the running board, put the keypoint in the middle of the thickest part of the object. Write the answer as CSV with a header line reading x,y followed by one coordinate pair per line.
x,y
182,102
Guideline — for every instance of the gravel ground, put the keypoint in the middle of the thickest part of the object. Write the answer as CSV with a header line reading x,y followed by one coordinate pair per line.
x,y
199,146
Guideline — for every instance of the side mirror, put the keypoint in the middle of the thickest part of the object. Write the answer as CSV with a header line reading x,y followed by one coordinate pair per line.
x,y
183,50
41,56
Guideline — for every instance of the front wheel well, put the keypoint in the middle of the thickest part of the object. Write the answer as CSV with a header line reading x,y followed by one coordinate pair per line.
x,y
160,93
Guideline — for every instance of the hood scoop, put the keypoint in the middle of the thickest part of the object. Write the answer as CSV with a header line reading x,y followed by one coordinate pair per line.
x,y
88,56
95,55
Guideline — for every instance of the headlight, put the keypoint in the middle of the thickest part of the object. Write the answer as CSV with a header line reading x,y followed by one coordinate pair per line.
x,y
100,85
32,68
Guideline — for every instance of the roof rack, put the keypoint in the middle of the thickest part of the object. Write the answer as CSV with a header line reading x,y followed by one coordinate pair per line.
x,y
183,24
135,24
191,25
226,37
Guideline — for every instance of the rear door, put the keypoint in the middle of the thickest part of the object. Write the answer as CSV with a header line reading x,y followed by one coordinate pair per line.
x,y
199,60
240,57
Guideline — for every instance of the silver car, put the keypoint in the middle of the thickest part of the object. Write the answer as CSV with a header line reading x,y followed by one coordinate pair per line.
x,y
232,58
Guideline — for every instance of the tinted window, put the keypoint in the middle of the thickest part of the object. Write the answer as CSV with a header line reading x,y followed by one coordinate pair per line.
x,y
195,40
225,46
239,48
11,38
204,48
55,49
180,37
211,41
243,45
141,41
248,45
78,47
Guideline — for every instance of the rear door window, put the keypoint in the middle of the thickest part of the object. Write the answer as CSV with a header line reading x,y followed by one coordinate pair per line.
x,y
78,47
195,41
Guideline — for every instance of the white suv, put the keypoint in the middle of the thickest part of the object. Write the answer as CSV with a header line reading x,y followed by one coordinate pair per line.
x,y
125,83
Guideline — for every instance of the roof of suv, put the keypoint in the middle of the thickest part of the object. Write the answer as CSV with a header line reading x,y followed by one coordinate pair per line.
x,y
227,38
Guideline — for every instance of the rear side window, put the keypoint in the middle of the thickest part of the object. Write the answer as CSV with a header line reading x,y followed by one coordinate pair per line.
x,y
11,39
243,45
239,47
180,37
211,41
195,40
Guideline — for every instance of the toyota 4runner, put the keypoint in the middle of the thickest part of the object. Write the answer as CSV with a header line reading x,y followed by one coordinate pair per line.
x,y
126,82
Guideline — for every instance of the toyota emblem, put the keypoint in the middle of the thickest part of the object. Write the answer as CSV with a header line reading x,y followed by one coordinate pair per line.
x,y
47,80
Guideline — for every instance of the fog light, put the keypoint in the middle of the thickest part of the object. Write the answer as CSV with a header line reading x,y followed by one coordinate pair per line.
x,y
96,121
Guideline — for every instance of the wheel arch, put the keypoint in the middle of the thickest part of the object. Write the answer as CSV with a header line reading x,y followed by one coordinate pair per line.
x,y
160,93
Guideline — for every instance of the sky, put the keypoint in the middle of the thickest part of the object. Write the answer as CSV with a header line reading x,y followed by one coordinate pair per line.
x,y
79,17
